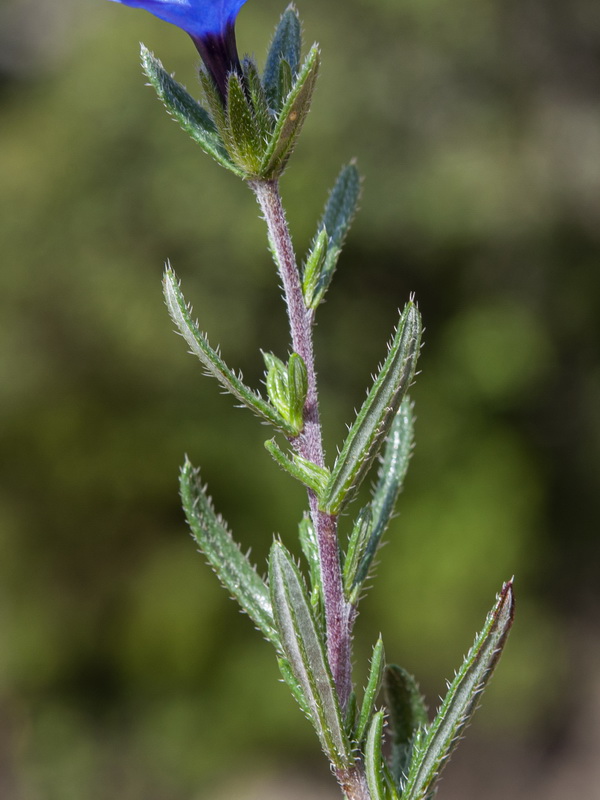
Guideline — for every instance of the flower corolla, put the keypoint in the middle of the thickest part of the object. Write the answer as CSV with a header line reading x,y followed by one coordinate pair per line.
x,y
199,18
210,23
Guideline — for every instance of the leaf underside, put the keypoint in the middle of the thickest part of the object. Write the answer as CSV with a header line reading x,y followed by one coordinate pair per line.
x,y
232,567
377,413
191,116
181,315
434,744
303,648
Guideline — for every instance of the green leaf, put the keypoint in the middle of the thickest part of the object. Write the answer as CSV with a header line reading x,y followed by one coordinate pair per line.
x,y
310,548
350,715
258,99
214,101
407,714
287,387
225,557
304,650
295,688
297,389
376,414
291,118
285,47
340,210
276,383
371,691
391,474
285,84
433,746
311,475
357,545
247,143
181,315
190,115
378,779
312,272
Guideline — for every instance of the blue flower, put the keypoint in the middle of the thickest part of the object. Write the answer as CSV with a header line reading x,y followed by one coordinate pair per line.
x,y
210,23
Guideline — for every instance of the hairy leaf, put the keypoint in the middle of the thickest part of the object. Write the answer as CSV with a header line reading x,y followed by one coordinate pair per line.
x,y
433,745
181,315
295,688
297,389
231,566
391,474
291,118
407,714
304,650
357,547
247,142
376,414
305,471
258,99
285,47
371,691
340,210
310,548
378,778
190,115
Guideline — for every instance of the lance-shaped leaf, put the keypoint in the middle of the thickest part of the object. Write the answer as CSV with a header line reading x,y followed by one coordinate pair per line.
x,y
350,715
340,210
379,780
190,115
214,101
305,471
258,98
247,142
276,383
357,546
181,315
433,745
310,548
371,691
285,47
376,414
291,118
313,269
297,390
231,566
295,688
304,650
391,474
407,714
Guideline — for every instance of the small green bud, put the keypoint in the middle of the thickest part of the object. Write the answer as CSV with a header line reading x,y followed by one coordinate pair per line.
x,y
314,267
287,387
297,385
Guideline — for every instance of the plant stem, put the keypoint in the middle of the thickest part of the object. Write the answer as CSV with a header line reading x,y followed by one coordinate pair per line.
x,y
309,444
353,783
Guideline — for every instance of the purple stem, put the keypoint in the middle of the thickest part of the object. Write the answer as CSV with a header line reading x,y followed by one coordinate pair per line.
x,y
353,783
309,444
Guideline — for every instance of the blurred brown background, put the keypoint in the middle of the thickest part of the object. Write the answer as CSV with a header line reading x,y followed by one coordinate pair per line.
x,y
125,671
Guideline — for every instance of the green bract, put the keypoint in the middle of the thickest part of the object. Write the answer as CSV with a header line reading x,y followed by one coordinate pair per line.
x,y
252,129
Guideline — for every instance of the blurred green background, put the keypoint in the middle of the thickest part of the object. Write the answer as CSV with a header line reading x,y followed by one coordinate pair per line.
x,y
125,671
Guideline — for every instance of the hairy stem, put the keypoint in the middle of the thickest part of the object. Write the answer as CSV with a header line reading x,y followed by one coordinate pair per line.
x,y
353,783
309,444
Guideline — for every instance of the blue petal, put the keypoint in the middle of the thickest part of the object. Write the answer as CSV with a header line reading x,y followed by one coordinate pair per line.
x,y
199,18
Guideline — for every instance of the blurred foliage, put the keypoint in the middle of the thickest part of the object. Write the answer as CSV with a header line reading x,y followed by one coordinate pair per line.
x,y
476,126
